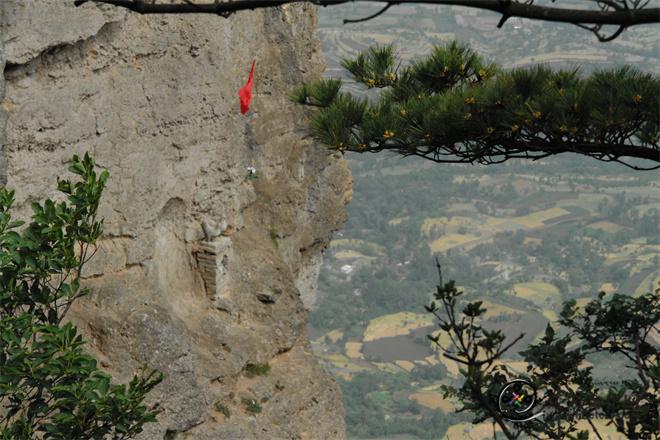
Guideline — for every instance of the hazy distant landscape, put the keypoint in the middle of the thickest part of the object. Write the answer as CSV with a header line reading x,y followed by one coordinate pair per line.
x,y
523,236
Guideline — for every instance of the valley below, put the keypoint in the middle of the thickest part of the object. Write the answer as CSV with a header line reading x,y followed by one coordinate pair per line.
x,y
523,237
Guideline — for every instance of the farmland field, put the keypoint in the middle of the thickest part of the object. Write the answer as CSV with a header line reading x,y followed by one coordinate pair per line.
x,y
396,324
521,255
539,293
522,237
433,401
449,241
395,348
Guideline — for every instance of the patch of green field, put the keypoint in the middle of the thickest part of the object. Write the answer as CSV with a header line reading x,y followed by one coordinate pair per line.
x,y
396,324
388,367
648,257
335,335
623,253
606,226
544,199
501,224
433,400
550,315
494,310
406,365
539,218
642,263
450,224
649,284
336,358
630,285
607,288
577,211
354,350
432,387
351,255
537,292
449,241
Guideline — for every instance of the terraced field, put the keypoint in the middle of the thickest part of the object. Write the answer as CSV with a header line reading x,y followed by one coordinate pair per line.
x,y
433,400
450,241
397,324
539,293
606,226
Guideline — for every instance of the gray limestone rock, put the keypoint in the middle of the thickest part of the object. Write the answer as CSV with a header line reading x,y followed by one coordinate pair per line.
x,y
154,100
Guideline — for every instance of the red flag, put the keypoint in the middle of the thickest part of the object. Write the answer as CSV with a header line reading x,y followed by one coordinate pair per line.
x,y
245,94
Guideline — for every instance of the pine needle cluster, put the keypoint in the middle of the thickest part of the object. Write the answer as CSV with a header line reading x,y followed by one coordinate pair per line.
x,y
453,106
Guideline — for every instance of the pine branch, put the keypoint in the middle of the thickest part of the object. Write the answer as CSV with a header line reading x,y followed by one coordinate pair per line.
x,y
453,107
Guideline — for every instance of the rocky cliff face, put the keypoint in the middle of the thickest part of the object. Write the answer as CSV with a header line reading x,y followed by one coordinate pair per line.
x,y
202,270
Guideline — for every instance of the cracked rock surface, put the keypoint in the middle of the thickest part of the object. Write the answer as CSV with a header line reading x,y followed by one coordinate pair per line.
x,y
202,269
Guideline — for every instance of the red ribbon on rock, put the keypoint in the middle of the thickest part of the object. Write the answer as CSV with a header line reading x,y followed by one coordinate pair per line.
x,y
245,94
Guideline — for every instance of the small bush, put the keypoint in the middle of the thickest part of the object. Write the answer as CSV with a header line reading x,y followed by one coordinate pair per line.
x,y
273,237
252,370
251,406
224,409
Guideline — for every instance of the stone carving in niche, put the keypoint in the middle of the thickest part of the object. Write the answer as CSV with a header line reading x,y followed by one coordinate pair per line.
x,y
213,253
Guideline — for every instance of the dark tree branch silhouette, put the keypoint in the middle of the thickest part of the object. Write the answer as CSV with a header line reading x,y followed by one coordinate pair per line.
x,y
621,13
555,364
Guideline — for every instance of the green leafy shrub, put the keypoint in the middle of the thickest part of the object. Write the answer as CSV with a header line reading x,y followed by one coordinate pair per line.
x,y
251,405
252,370
224,409
49,388
273,238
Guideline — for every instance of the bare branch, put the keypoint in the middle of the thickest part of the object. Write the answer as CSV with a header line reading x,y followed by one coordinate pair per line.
x,y
382,11
439,267
609,12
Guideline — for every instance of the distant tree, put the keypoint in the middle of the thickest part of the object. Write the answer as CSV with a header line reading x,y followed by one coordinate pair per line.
x,y
49,388
428,373
452,106
621,325
522,210
649,223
